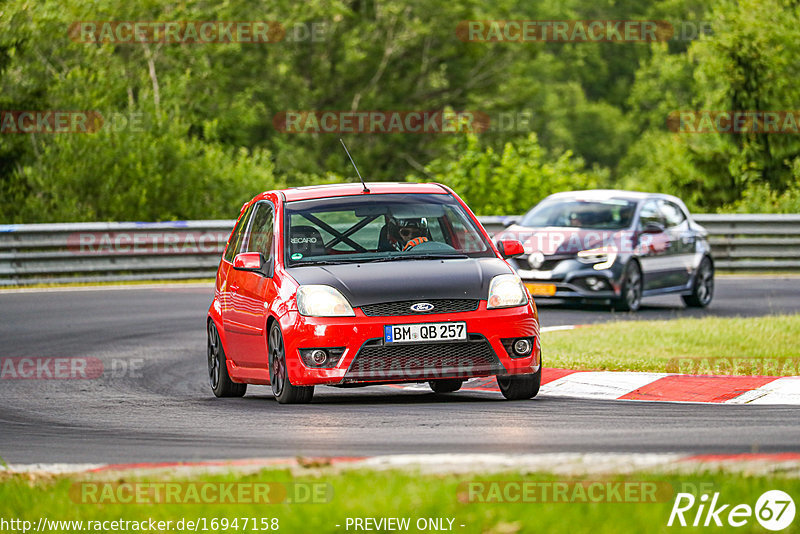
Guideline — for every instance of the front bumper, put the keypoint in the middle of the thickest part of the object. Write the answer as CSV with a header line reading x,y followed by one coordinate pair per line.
x,y
367,359
570,279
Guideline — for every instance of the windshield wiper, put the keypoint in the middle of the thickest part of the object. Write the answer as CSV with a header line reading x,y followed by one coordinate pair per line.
x,y
323,262
441,256
400,257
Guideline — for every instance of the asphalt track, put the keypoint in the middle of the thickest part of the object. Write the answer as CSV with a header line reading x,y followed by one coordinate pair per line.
x,y
165,410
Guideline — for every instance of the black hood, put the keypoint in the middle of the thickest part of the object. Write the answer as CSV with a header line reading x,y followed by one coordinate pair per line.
x,y
373,283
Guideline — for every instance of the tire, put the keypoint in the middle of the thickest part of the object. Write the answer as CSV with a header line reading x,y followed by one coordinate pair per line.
x,y
220,381
446,386
703,287
631,293
520,387
282,388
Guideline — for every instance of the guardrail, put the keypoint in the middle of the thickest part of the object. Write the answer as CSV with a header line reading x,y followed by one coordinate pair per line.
x,y
91,252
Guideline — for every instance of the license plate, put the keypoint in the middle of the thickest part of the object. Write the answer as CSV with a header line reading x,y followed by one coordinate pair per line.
x,y
542,290
413,333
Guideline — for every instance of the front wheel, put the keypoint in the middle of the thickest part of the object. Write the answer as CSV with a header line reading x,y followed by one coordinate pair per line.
x,y
703,287
630,298
221,383
282,388
446,385
520,387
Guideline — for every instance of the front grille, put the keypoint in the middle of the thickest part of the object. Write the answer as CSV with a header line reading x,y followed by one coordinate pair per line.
x,y
547,265
377,361
403,307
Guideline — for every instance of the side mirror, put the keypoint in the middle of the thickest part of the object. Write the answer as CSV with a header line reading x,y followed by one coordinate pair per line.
x,y
248,261
509,248
653,228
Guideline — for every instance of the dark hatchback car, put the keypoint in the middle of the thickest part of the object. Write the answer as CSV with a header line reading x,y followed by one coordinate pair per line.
x,y
616,246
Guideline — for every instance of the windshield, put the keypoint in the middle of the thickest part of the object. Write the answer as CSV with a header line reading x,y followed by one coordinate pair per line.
x,y
380,228
611,214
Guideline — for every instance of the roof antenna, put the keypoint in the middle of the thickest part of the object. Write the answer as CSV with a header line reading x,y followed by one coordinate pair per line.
x,y
366,189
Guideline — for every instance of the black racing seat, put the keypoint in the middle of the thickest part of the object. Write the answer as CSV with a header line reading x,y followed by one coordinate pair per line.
x,y
383,240
306,240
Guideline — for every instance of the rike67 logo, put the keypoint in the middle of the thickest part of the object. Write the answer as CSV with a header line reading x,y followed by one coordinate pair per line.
x,y
774,510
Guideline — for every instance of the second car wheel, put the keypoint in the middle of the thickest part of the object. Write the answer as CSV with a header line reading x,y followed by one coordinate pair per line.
x,y
630,298
446,386
703,287
282,388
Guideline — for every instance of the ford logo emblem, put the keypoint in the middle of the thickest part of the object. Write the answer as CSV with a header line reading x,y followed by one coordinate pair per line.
x,y
422,307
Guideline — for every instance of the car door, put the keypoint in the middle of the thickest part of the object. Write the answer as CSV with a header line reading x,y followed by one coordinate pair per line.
x,y
653,246
252,291
681,244
227,277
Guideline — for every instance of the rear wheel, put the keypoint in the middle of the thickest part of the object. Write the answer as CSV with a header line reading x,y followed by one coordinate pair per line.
x,y
520,387
282,388
446,386
221,383
703,288
631,294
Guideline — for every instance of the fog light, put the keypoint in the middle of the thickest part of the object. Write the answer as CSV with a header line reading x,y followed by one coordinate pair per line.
x,y
595,283
319,356
522,347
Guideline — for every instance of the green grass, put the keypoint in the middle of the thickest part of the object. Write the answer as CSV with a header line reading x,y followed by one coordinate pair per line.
x,y
767,345
402,494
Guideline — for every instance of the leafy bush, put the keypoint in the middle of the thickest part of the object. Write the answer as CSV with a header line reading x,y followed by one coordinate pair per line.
x,y
511,181
161,173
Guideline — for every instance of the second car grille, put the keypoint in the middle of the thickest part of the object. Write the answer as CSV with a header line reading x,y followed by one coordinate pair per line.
x,y
423,361
403,307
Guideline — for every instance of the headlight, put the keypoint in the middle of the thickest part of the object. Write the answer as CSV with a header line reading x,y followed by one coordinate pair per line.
x,y
505,291
603,258
322,301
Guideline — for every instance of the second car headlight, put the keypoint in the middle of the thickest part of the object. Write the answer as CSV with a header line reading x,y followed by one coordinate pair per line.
x,y
322,301
603,258
505,291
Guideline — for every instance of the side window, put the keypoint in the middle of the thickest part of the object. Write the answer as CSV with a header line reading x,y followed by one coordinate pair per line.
x,y
235,243
673,215
650,214
466,239
259,236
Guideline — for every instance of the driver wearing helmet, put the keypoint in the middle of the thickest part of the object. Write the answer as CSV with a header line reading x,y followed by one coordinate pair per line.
x,y
408,233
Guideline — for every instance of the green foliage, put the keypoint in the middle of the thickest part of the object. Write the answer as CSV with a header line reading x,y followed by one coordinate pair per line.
x,y
160,173
512,180
748,63
761,198
208,140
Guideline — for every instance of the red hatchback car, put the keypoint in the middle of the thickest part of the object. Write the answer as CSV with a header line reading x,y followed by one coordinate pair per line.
x,y
349,285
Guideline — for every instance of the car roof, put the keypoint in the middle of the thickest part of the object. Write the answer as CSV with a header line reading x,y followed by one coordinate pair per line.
x,y
354,189
601,194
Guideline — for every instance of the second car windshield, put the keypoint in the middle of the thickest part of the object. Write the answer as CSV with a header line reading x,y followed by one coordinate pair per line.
x,y
611,214
380,228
